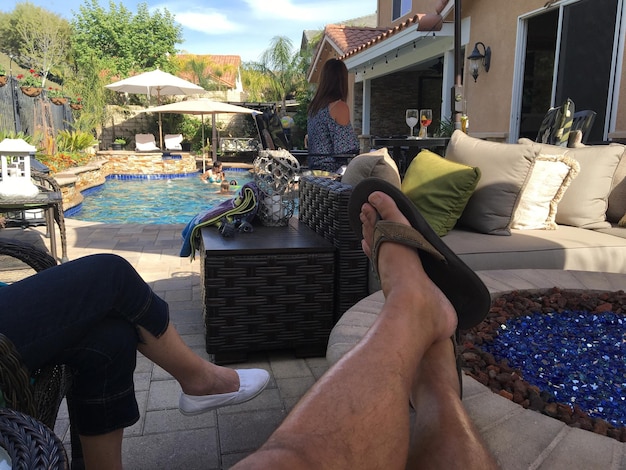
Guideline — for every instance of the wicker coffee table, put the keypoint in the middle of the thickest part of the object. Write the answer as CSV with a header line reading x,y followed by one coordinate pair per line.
x,y
270,289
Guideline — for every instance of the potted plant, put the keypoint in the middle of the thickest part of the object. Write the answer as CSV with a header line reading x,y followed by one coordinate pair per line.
x,y
119,143
56,96
76,102
3,76
30,84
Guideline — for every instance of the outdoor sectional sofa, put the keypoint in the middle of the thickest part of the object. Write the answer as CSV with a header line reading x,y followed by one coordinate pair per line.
x,y
581,231
586,235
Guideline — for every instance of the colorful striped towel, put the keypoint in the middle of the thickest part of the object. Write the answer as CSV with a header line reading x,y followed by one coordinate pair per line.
x,y
241,209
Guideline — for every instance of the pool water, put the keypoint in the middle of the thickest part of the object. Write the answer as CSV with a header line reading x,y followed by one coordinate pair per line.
x,y
154,201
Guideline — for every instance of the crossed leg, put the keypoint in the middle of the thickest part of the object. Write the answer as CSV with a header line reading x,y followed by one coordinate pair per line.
x,y
357,414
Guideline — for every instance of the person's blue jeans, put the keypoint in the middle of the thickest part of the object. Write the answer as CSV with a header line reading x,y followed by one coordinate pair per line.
x,y
85,313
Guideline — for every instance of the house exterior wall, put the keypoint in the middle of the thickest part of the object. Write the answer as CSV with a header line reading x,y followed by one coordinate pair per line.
x,y
489,100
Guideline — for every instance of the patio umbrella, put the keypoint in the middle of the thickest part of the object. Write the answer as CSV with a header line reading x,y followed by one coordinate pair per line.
x,y
156,83
200,107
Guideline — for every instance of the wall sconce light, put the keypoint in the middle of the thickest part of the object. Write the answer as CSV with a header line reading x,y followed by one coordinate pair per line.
x,y
476,58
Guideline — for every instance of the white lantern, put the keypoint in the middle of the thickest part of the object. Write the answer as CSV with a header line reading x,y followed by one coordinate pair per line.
x,y
15,155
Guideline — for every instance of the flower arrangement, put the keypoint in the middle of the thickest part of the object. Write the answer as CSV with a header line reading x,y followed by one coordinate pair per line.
x,y
2,70
32,79
76,100
120,140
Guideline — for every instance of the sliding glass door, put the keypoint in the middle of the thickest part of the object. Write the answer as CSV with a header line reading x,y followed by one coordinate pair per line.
x,y
570,52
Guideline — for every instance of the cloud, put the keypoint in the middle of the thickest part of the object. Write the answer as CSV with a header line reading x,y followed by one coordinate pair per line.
x,y
309,12
208,23
196,17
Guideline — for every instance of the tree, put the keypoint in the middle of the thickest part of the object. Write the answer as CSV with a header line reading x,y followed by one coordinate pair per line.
x,y
255,81
284,68
39,39
204,70
124,42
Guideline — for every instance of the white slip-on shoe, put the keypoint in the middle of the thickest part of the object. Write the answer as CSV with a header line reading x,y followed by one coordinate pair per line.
x,y
251,383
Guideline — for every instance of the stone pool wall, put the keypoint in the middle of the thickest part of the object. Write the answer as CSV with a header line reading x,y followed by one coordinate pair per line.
x,y
133,163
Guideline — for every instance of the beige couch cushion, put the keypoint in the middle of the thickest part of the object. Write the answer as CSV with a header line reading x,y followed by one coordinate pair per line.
x,y
378,164
585,203
549,178
504,169
567,247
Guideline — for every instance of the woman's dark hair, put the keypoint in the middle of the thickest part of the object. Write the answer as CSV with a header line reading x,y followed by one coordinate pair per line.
x,y
333,86
217,164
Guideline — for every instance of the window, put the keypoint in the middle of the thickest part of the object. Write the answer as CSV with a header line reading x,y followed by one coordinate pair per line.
x,y
400,8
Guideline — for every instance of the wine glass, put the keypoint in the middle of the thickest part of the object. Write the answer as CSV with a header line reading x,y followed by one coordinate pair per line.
x,y
426,118
412,118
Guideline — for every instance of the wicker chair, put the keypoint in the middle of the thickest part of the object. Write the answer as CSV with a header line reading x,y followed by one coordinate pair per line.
x,y
49,183
29,443
36,393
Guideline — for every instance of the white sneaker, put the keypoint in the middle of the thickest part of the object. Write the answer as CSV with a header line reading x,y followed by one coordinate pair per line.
x,y
251,383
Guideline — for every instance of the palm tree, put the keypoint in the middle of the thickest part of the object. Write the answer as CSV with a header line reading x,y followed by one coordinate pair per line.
x,y
284,68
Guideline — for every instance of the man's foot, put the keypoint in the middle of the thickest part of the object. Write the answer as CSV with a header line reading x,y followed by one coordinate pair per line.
x,y
402,276
461,286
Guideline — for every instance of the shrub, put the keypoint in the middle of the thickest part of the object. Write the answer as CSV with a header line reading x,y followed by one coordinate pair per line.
x,y
74,141
63,160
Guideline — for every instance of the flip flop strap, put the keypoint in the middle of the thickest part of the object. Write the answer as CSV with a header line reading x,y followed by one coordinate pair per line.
x,y
388,231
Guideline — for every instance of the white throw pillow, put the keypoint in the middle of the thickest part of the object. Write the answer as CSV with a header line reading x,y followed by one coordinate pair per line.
x,y
550,176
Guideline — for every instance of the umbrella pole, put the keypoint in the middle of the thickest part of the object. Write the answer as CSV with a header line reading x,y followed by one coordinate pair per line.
x,y
213,144
203,152
160,132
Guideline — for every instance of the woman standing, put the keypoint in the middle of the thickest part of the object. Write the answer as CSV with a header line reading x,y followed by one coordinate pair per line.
x,y
329,129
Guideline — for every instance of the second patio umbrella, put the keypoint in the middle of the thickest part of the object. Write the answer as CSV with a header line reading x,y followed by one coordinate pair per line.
x,y
156,83
201,107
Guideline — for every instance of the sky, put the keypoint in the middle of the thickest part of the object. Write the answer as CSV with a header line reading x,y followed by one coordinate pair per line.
x,y
233,27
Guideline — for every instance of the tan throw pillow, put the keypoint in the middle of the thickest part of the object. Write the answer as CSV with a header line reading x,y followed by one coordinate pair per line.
x,y
504,169
378,164
617,197
550,176
622,221
585,203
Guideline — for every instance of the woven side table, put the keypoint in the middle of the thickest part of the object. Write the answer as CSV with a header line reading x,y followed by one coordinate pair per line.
x,y
270,289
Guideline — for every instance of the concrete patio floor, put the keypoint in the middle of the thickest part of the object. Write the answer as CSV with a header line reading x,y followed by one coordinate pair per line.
x,y
164,438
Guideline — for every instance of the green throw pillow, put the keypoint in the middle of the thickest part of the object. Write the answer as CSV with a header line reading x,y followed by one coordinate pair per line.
x,y
439,188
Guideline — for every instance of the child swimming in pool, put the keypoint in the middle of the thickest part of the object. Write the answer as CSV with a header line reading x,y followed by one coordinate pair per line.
x,y
224,187
214,175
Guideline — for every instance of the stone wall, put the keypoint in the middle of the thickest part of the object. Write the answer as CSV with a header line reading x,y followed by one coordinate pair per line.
x,y
75,180
131,163
390,100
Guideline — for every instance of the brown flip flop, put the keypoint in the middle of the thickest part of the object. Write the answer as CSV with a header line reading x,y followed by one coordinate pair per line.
x,y
465,290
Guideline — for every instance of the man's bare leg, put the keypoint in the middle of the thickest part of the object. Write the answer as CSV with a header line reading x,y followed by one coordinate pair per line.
x,y
357,414
444,436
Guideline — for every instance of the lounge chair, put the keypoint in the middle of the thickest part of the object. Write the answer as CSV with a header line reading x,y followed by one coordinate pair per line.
x,y
146,143
173,141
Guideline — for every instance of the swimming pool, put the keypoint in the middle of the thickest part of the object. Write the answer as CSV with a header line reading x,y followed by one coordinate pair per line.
x,y
153,201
